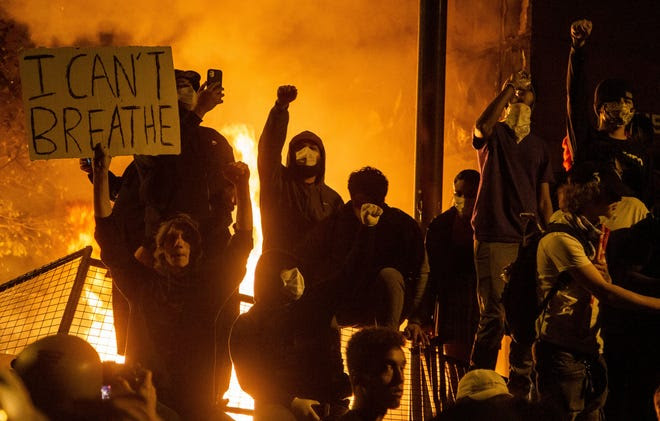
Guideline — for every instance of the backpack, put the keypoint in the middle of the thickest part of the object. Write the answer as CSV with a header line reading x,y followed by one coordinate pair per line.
x,y
519,297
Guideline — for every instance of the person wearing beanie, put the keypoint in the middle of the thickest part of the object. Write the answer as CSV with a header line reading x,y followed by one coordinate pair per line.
x,y
620,137
294,197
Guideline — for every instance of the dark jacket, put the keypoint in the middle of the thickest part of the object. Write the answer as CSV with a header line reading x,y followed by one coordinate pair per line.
x,y
171,325
289,207
589,144
398,244
192,182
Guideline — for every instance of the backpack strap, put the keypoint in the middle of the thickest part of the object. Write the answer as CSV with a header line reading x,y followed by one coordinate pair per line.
x,y
564,278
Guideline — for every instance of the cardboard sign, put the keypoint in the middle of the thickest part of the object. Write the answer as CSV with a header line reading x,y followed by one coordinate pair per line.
x,y
123,97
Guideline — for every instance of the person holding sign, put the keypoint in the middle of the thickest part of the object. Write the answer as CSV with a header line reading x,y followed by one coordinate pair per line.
x,y
174,305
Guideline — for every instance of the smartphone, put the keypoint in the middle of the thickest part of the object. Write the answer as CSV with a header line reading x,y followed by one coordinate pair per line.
x,y
106,392
88,161
214,76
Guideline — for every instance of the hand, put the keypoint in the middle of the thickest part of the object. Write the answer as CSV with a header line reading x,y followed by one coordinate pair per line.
x,y
15,399
416,335
285,95
101,160
370,214
303,410
520,81
140,403
237,172
85,165
580,31
208,96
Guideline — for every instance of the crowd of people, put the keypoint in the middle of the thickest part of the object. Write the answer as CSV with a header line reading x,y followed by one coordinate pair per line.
x,y
176,266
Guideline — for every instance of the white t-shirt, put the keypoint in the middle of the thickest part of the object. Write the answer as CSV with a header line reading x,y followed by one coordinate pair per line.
x,y
629,211
570,318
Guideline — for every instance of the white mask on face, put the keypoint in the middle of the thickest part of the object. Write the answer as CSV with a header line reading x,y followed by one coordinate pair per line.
x,y
307,156
187,96
519,118
293,282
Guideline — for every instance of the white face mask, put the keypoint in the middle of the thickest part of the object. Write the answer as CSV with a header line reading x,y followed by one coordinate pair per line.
x,y
187,96
307,156
293,282
518,117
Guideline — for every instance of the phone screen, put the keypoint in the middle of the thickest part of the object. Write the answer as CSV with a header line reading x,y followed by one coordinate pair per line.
x,y
106,391
214,75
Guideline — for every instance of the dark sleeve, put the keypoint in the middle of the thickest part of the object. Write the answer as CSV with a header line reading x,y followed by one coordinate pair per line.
x,y
271,142
129,275
417,268
231,265
256,373
545,171
577,120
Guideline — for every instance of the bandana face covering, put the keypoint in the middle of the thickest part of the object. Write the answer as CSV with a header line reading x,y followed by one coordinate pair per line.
x,y
187,96
518,118
618,114
293,282
307,156
463,205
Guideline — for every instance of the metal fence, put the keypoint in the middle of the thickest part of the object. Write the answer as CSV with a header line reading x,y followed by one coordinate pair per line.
x,y
74,295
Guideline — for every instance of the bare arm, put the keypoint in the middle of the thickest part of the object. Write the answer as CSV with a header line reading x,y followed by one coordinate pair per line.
x,y
593,279
102,206
544,204
483,128
239,174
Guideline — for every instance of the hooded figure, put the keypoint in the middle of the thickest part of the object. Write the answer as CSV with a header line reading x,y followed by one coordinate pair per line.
x,y
294,198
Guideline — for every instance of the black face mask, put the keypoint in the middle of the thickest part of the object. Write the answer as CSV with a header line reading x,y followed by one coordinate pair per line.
x,y
304,171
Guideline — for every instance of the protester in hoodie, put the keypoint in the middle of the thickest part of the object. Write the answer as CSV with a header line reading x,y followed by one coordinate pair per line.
x,y
294,198
302,374
515,184
174,305
621,136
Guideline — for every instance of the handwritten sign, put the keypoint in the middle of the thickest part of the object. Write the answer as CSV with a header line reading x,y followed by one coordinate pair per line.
x,y
123,97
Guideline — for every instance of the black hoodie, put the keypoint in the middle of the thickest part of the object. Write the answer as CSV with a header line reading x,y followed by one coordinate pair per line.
x,y
290,207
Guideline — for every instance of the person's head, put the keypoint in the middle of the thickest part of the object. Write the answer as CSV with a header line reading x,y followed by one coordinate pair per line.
x,y
376,364
277,279
481,384
466,185
187,85
592,189
518,112
178,245
307,156
613,104
367,185
58,371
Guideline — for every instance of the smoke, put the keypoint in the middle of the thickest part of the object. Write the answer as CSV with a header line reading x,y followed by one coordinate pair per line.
x,y
354,63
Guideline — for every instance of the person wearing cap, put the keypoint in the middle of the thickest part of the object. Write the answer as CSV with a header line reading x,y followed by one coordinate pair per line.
x,y
621,136
571,372
513,199
294,197
376,366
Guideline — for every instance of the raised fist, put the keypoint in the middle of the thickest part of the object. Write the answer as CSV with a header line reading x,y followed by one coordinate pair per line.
x,y
237,172
521,81
370,214
580,31
286,94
